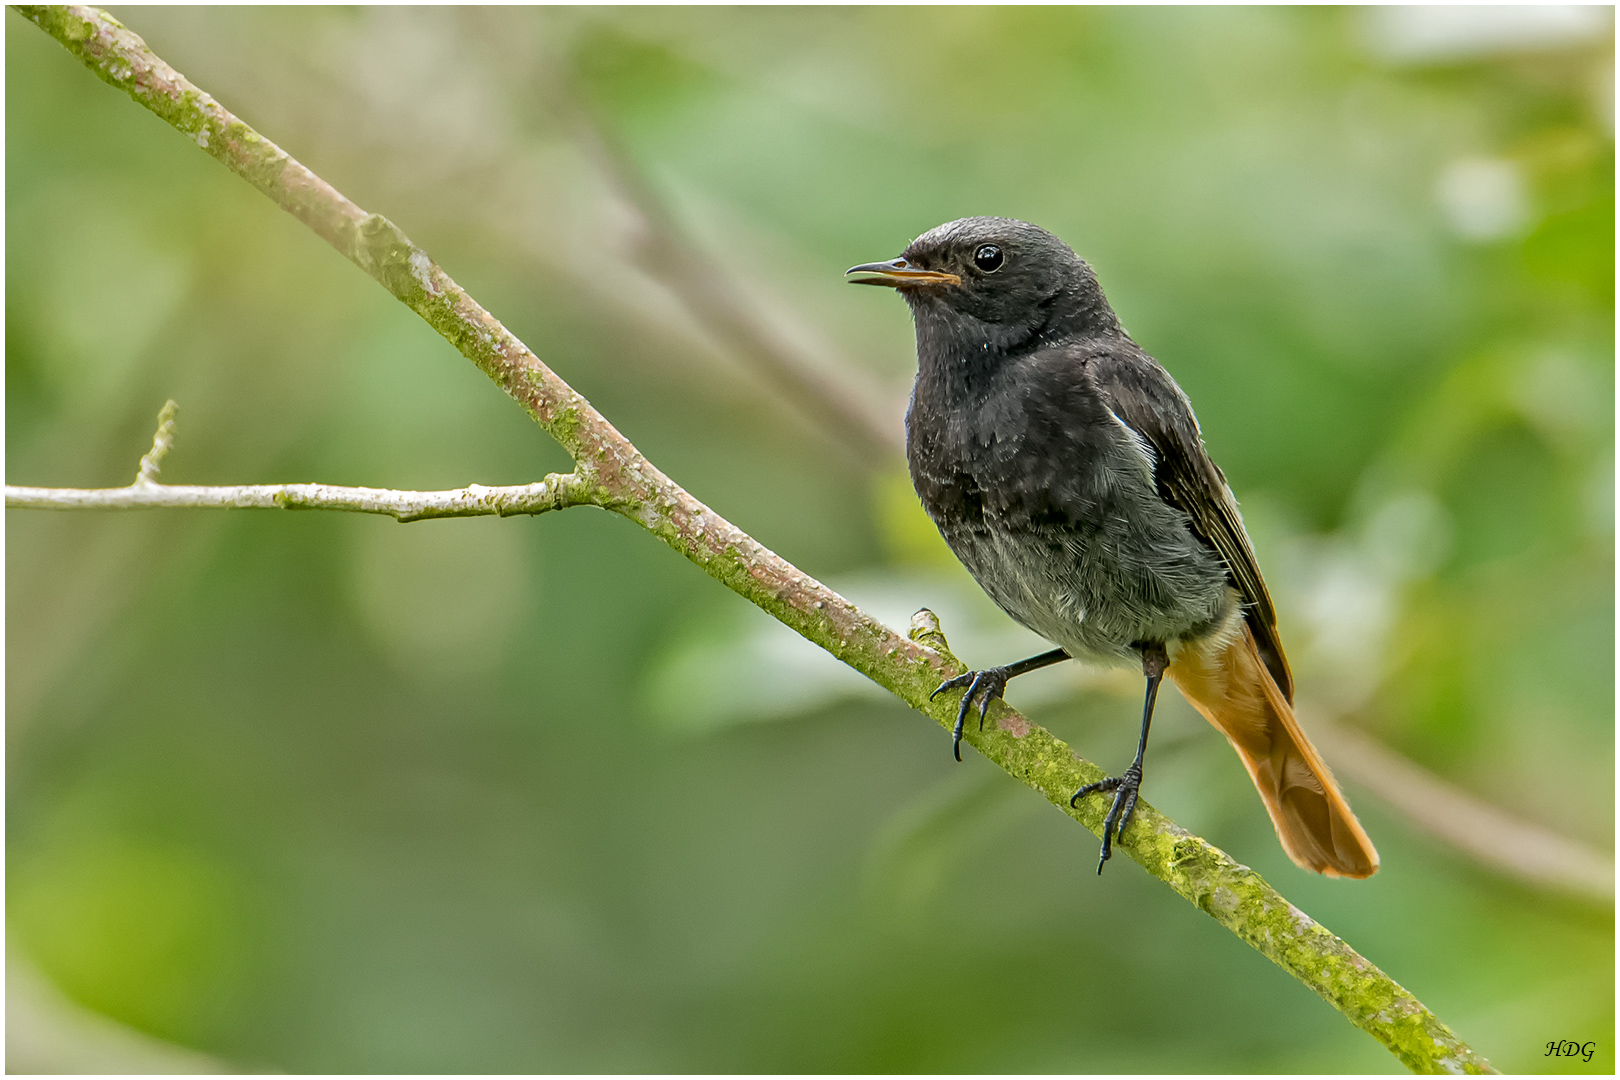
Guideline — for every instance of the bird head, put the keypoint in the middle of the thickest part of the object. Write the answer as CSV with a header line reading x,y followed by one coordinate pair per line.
x,y
994,282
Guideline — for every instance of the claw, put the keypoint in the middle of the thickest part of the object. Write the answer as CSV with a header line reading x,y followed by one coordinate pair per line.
x,y
951,684
982,686
1126,789
961,718
1108,784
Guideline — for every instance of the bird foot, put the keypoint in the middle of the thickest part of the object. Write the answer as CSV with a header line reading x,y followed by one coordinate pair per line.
x,y
1126,789
982,686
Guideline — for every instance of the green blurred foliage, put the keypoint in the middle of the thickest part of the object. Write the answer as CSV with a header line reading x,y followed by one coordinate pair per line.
x,y
318,793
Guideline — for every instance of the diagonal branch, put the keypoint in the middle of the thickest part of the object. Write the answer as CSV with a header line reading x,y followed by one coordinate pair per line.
x,y
610,472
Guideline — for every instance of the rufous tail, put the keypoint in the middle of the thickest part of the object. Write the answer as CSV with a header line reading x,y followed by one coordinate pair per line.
x,y
1235,692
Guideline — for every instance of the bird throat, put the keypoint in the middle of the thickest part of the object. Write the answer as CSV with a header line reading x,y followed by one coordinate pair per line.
x,y
958,352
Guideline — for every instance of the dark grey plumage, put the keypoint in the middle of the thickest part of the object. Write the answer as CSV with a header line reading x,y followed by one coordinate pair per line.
x,y
1061,463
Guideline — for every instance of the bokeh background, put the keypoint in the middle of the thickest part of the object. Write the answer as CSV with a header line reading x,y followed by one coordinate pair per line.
x,y
321,792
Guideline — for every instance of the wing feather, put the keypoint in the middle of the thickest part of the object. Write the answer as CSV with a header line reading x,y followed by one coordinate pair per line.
x,y
1144,396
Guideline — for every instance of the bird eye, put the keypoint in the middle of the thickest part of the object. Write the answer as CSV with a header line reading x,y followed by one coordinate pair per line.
x,y
987,258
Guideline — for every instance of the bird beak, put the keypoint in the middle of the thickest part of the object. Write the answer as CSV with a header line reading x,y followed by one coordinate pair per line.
x,y
898,274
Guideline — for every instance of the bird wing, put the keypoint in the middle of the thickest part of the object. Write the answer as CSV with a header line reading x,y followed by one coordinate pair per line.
x,y
1147,400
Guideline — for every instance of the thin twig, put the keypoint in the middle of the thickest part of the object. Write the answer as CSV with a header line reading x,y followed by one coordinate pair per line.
x,y
555,492
617,476
162,441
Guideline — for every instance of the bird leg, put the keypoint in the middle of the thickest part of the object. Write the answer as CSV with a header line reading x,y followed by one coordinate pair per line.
x,y
987,685
1127,787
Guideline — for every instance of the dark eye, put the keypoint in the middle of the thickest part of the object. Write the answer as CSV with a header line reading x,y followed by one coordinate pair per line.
x,y
987,258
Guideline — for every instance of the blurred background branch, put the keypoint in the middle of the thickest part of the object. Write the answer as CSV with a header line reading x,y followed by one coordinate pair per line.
x,y
1534,855
828,391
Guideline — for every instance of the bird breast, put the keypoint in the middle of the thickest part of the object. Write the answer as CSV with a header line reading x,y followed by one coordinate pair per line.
x,y
1049,501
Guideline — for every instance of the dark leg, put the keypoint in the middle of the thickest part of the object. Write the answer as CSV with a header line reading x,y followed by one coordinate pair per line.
x,y
987,685
1127,787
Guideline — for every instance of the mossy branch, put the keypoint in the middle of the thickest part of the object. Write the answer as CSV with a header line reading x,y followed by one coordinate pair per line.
x,y
619,478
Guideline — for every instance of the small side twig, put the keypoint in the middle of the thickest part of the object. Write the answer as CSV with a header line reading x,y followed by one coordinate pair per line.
x,y
162,441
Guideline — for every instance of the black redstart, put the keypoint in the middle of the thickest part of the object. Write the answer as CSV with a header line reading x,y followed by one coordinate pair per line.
x,y
1065,468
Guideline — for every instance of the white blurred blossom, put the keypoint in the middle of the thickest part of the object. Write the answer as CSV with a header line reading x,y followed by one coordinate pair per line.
x,y
1483,198
1428,33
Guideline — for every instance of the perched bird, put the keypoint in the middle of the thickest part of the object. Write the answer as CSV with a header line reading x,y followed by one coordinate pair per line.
x,y
1065,468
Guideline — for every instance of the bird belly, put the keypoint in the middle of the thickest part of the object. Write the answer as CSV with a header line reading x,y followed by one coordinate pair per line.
x,y
1099,592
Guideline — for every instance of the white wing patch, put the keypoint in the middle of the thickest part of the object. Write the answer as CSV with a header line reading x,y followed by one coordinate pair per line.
x,y
1137,443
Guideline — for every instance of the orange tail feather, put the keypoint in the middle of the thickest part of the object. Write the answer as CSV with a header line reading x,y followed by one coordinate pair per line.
x,y
1235,692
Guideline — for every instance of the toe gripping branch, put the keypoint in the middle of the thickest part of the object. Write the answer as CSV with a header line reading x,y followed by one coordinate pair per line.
x,y
1128,787
986,686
